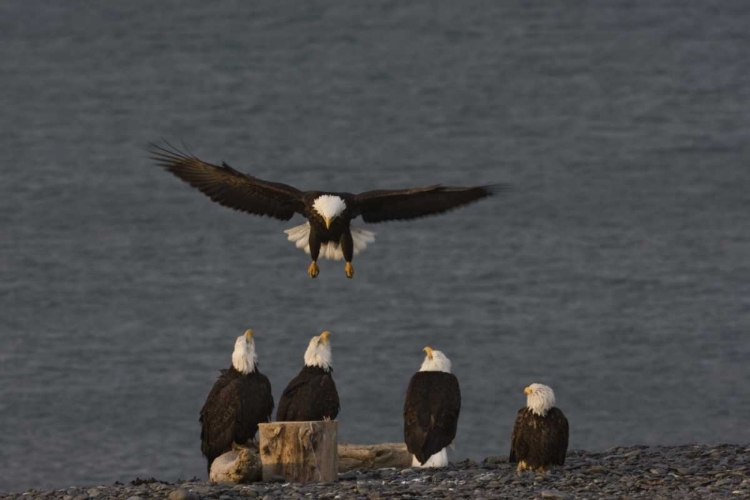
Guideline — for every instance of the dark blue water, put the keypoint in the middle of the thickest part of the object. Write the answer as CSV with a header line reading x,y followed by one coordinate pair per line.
x,y
617,271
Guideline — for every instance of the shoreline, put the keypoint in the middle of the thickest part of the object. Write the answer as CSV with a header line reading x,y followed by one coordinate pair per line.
x,y
679,472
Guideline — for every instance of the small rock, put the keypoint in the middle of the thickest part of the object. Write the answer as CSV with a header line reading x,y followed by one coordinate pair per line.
x,y
554,494
348,475
182,494
249,493
276,479
632,454
93,492
495,459
136,497
201,490
363,488
657,472
407,471
82,496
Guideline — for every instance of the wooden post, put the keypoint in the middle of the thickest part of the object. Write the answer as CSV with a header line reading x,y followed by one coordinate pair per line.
x,y
373,456
300,452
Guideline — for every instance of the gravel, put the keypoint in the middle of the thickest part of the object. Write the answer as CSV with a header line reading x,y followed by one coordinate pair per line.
x,y
676,472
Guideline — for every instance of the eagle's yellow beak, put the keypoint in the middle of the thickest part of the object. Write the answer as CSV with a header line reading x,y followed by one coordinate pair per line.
x,y
328,222
324,336
248,334
527,390
429,351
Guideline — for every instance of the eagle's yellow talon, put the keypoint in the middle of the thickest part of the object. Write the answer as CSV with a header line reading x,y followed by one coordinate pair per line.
x,y
349,270
313,270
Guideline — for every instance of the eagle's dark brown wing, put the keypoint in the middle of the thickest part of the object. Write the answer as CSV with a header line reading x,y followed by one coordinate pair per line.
x,y
399,204
231,188
431,410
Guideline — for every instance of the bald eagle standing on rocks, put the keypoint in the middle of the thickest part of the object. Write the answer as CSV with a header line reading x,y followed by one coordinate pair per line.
x,y
433,402
540,436
312,394
327,232
237,403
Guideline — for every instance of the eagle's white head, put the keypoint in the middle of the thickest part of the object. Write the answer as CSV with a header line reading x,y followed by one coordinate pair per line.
x,y
539,398
329,207
244,357
319,351
435,361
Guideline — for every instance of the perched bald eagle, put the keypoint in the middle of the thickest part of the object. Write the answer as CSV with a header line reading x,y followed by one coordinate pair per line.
x,y
312,394
237,403
327,232
433,402
540,436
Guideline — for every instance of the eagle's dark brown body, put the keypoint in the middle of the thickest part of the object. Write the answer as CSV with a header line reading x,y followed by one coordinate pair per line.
x,y
431,409
539,442
311,395
233,409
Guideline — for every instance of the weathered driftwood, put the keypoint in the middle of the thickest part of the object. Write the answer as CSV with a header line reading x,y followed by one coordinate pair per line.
x,y
300,452
241,465
373,456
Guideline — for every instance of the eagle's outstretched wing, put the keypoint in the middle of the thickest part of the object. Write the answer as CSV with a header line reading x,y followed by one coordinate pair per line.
x,y
231,188
399,204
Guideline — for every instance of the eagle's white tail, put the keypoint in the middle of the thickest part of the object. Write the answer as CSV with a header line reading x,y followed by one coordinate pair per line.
x,y
439,459
299,235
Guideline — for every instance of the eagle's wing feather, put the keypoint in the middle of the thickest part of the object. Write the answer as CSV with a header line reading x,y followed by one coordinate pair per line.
x,y
400,204
231,188
431,413
518,446
219,416
559,436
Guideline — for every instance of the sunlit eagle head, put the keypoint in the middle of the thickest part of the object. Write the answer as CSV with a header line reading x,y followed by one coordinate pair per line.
x,y
329,207
435,361
318,352
244,357
539,398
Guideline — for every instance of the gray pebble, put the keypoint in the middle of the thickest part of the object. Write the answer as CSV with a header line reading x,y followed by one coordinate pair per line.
x,y
407,471
183,494
554,494
134,498
495,459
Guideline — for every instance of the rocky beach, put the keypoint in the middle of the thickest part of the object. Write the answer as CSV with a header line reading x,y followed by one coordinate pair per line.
x,y
674,472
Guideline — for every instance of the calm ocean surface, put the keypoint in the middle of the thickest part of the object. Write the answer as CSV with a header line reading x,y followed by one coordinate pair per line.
x,y
617,271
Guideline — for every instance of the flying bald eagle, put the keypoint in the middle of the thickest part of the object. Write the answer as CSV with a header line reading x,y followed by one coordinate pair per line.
x,y
312,394
237,403
327,232
540,436
433,402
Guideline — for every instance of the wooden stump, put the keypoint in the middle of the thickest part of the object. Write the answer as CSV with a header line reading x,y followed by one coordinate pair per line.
x,y
373,456
300,452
